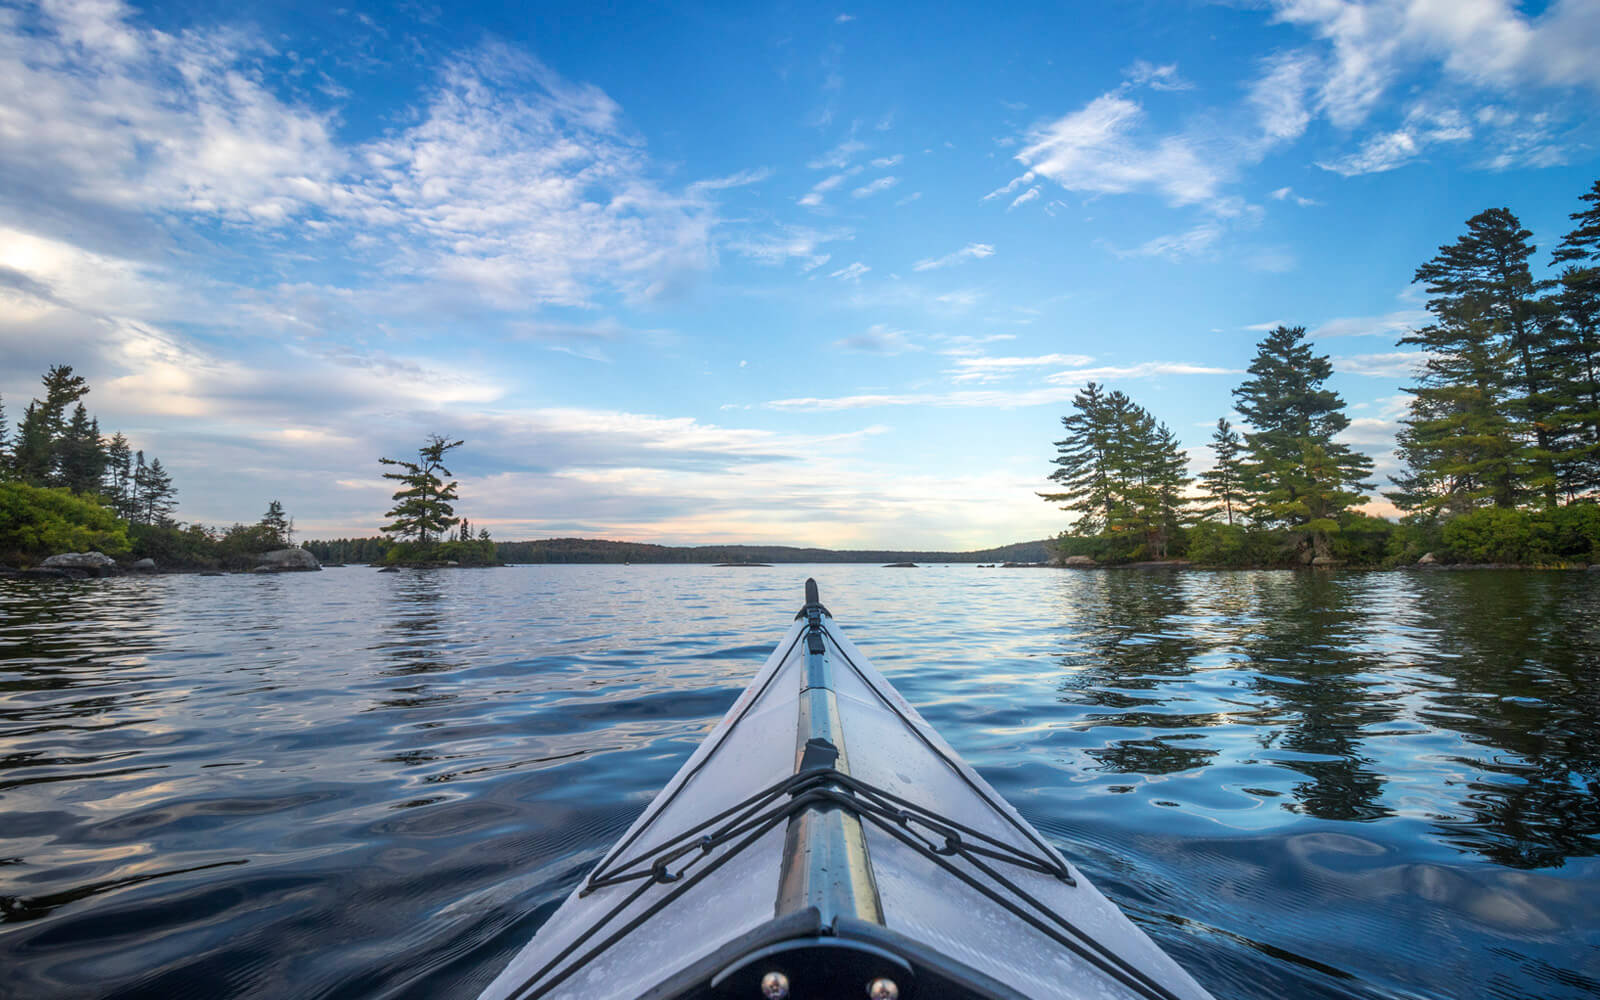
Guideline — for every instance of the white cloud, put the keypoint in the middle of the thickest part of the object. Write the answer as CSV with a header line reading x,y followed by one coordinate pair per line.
x,y
1278,98
1423,127
885,162
789,243
989,369
1146,74
1390,325
1145,369
1174,246
1095,150
844,19
881,184
1031,194
1398,364
1011,186
972,251
853,272
839,157
908,199
879,339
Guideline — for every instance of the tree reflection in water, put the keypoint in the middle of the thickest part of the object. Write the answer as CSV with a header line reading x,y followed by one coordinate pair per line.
x,y
1479,691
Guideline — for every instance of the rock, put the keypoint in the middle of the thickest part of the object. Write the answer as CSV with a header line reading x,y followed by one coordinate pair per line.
x,y
1326,561
390,569
213,572
144,566
900,565
286,561
1428,559
1078,561
89,563
452,562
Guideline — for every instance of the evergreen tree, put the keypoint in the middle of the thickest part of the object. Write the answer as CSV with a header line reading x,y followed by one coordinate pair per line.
x,y
81,454
1122,471
1488,265
5,440
157,496
1296,474
37,454
118,484
422,507
1577,342
1083,461
276,525
1459,446
1225,480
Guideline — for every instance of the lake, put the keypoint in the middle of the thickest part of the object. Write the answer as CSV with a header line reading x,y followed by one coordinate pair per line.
x,y
352,784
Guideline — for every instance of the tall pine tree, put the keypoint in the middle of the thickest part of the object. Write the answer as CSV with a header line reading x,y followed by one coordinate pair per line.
x,y
1485,273
36,457
423,505
1225,480
1296,474
157,496
1577,343
1459,445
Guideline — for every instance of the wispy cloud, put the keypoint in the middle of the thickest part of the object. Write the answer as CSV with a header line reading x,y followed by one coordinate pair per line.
x,y
989,369
1398,364
1065,385
881,184
972,251
1175,246
879,339
838,157
885,162
1165,77
851,272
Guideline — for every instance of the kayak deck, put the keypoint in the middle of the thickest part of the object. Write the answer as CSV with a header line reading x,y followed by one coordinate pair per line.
x,y
824,841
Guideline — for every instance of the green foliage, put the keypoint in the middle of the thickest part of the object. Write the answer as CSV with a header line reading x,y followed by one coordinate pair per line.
x,y
1237,546
1225,480
173,546
1297,476
1528,537
1122,472
465,553
36,522
349,550
422,510
277,525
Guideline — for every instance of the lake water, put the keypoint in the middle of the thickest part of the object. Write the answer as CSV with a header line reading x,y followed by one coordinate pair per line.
x,y
352,784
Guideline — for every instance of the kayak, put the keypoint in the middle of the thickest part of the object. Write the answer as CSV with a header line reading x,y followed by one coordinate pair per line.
x,y
824,842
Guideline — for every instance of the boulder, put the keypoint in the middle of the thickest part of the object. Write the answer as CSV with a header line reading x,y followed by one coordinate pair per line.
x,y
1078,561
144,566
89,563
1326,561
50,573
286,561
390,569
1428,559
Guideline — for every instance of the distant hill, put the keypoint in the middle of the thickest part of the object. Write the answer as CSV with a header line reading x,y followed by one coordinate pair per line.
x,y
595,550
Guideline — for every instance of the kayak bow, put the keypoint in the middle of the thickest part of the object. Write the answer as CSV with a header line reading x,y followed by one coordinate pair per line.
x,y
825,842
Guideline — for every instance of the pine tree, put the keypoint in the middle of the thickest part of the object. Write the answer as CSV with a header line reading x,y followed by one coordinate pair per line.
x,y
1225,479
118,483
422,507
36,456
157,496
1296,474
1577,343
1123,472
1489,266
1459,445
1083,461
80,454
276,524
5,440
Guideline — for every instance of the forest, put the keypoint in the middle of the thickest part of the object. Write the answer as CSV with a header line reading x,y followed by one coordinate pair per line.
x,y
1499,451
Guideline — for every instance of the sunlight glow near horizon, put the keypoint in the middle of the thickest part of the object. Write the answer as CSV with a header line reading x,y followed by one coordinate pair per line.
x,y
834,286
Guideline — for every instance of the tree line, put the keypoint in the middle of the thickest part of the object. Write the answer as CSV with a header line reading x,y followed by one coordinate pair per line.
x,y
65,486
1500,448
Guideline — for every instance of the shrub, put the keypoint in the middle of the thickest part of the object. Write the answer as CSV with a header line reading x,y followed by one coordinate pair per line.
x,y
174,547
36,522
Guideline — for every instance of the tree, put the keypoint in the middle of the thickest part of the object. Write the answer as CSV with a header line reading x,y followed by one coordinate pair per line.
x,y
118,485
81,454
36,457
1297,475
1459,446
1225,479
422,507
157,497
277,526
5,439
1122,472
1577,340
1486,271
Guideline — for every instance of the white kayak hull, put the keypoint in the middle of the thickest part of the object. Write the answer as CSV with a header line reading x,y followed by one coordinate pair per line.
x,y
871,854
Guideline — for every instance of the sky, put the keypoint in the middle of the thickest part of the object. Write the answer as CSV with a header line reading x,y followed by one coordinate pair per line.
x,y
690,273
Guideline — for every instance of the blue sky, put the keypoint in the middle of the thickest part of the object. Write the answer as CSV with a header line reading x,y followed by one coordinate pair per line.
x,y
808,275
